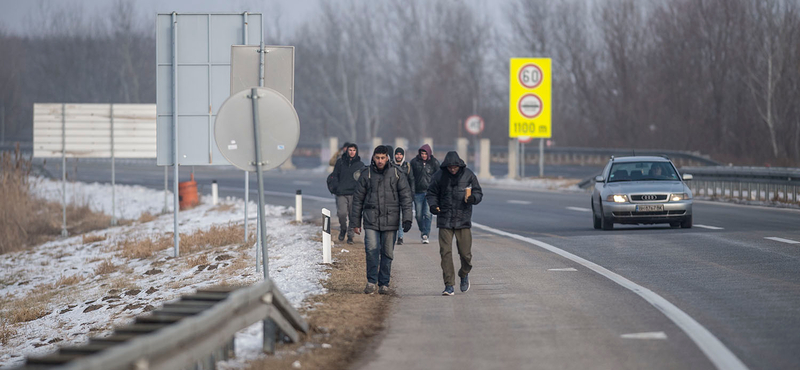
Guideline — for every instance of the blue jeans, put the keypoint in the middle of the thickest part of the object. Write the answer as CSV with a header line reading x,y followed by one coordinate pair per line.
x,y
379,246
424,215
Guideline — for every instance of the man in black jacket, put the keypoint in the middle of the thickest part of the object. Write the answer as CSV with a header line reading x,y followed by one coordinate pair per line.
x,y
345,186
381,192
452,193
424,165
405,167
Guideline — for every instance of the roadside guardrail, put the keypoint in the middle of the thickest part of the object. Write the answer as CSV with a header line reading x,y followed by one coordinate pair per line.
x,y
745,183
196,331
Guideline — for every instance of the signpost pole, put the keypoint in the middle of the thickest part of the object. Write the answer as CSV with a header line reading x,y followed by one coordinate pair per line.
x,y
64,170
113,174
176,174
541,157
522,160
246,173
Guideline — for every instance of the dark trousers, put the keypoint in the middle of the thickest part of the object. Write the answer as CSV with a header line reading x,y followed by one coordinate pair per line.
x,y
343,205
464,244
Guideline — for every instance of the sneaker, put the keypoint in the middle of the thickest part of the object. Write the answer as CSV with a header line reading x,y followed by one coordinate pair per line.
x,y
399,241
425,239
370,288
448,290
341,235
384,290
349,240
465,283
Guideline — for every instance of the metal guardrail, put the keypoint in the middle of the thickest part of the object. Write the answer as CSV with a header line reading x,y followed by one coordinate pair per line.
x,y
196,330
751,183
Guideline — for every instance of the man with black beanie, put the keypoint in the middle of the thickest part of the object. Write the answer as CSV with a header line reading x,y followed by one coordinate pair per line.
x,y
382,191
405,167
453,191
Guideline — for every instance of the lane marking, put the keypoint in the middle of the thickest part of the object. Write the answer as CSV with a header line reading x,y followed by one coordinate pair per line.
x,y
717,353
297,182
649,335
709,227
579,209
564,269
525,202
279,194
782,240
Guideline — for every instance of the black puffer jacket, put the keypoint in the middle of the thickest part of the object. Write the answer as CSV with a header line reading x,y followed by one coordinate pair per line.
x,y
448,192
379,197
424,170
343,173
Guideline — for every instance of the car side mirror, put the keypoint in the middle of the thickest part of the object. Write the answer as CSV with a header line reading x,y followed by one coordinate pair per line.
x,y
687,177
599,178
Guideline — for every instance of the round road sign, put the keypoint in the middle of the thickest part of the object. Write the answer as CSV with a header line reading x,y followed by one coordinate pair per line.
x,y
525,139
277,121
530,76
530,106
474,124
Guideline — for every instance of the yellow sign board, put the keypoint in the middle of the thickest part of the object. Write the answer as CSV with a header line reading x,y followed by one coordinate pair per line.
x,y
530,98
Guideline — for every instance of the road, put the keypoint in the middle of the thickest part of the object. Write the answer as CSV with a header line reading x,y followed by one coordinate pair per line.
x,y
734,275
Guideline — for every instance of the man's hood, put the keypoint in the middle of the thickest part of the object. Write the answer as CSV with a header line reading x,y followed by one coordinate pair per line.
x,y
452,159
356,158
427,149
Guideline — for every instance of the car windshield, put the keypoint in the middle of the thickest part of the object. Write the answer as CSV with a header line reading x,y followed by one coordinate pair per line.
x,y
642,171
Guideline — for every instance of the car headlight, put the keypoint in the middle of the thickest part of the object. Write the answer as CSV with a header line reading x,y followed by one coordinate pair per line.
x,y
617,198
678,197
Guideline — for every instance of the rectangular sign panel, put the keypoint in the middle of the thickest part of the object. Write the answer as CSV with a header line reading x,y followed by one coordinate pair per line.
x,y
203,58
529,105
86,130
278,68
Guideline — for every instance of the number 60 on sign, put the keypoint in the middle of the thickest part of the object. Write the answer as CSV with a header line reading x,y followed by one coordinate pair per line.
x,y
530,98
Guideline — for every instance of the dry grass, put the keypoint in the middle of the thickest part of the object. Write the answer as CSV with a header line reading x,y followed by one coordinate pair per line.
x,y
67,281
143,247
105,268
146,217
344,317
7,331
31,307
221,208
88,239
26,220
198,260
239,264
215,236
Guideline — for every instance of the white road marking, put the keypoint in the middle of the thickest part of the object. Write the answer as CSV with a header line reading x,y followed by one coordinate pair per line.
x,y
649,335
301,182
565,269
782,240
280,194
579,209
717,353
519,202
709,227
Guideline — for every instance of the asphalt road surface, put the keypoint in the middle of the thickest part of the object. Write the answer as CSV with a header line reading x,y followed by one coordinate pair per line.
x,y
549,291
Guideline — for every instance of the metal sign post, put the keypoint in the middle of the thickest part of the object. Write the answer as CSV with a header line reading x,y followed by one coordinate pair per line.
x,y
64,169
541,157
175,158
113,174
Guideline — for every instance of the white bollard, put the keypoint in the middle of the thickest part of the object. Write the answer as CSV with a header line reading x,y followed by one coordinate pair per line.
x,y
375,142
298,206
326,236
214,192
462,145
486,159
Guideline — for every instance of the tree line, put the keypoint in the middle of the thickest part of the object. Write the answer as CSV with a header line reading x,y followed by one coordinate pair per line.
x,y
716,76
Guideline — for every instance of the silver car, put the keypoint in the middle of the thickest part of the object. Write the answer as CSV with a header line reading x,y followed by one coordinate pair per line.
x,y
641,190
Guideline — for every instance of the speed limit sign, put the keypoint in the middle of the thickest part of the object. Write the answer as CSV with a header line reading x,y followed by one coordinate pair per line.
x,y
530,76
474,124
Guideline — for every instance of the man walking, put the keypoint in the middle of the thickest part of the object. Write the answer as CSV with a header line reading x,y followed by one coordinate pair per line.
x,y
452,193
381,193
344,185
405,167
424,165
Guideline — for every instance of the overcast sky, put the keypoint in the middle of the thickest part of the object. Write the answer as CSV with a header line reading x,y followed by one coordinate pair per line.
x,y
17,15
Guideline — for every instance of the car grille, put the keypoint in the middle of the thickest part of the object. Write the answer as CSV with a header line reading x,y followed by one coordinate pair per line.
x,y
648,214
648,197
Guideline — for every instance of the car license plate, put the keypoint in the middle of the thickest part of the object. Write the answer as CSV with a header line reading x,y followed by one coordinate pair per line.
x,y
650,208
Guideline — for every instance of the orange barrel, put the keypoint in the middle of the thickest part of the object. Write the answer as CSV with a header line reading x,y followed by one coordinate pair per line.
x,y
187,194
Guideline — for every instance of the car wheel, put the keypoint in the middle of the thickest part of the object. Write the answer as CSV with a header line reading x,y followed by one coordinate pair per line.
x,y
595,218
687,222
674,225
605,222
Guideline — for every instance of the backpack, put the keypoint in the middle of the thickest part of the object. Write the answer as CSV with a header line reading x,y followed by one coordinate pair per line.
x,y
333,183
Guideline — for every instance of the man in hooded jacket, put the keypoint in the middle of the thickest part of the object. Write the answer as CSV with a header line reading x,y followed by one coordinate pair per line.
x,y
405,167
345,185
424,165
381,192
452,193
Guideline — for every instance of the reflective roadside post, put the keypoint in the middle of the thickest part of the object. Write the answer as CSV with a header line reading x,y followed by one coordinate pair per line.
x,y
326,235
